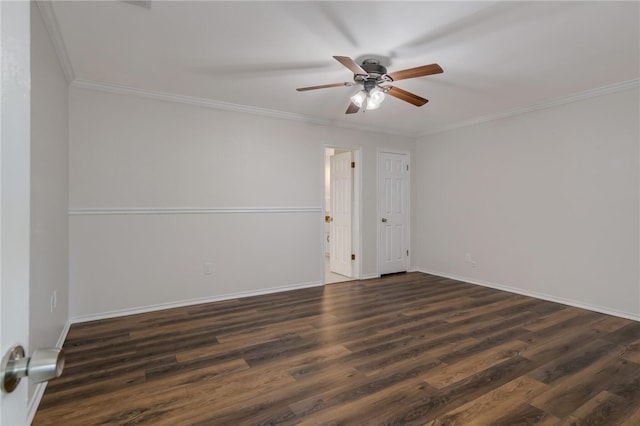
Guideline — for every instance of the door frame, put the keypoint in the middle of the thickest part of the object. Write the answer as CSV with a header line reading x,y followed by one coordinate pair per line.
x,y
380,151
356,211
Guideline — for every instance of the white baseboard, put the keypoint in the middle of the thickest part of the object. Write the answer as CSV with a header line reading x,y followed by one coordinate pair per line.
x,y
369,276
34,402
63,335
543,296
375,276
189,302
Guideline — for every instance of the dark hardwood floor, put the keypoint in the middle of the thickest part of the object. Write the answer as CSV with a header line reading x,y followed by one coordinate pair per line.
x,y
410,349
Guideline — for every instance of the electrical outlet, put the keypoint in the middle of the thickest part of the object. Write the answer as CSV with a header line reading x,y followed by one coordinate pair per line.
x,y
208,268
54,300
467,257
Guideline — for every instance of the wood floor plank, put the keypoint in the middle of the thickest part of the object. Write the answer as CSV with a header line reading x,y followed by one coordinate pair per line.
x,y
553,318
631,352
498,403
567,396
400,350
458,394
609,324
114,407
434,348
633,419
368,409
489,308
525,415
359,389
625,334
544,352
573,362
603,409
96,378
447,374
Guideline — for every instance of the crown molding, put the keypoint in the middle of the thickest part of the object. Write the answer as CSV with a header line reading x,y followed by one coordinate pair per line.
x,y
591,93
51,24
225,106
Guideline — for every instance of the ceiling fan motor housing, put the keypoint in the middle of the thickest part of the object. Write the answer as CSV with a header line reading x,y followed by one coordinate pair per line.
x,y
376,74
373,67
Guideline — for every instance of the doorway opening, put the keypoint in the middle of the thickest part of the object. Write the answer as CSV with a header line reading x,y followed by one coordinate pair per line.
x,y
342,196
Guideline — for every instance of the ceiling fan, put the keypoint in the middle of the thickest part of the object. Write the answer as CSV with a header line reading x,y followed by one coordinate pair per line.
x,y
373,77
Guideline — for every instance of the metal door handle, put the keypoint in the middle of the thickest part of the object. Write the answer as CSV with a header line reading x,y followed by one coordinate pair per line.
x,y
43,365
384,219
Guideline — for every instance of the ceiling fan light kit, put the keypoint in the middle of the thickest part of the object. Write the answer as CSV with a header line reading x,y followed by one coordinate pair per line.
x,y
371,76
368,100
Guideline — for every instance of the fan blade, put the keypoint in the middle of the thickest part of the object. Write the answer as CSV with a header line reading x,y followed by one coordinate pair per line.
x,y
416,72
349,63
352,109
406,96
324,86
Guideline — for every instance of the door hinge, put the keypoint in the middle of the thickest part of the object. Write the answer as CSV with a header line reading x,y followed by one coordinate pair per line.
x,y
407,167
353,164
353,257
407,252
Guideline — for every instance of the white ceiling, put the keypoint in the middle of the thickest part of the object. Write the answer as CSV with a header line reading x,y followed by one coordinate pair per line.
x,y
497,56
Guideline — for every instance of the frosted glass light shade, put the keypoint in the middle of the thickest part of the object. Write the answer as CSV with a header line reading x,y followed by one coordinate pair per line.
x,y
375,99
377,95
371,104
359,98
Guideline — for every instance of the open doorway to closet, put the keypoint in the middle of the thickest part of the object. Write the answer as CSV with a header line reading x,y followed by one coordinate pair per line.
x,y
342,214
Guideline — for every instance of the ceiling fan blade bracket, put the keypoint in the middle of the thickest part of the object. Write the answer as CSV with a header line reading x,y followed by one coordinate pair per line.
x,y
360,78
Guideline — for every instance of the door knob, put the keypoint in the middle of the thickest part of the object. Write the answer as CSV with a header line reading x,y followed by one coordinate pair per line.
x,y
384,219
43,365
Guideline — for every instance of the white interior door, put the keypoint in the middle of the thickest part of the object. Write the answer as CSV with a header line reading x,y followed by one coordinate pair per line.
x,y
14,194
393,212
341,181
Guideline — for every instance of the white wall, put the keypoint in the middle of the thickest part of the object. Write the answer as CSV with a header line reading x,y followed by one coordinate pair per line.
x,y
128,152
546,203
49,190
